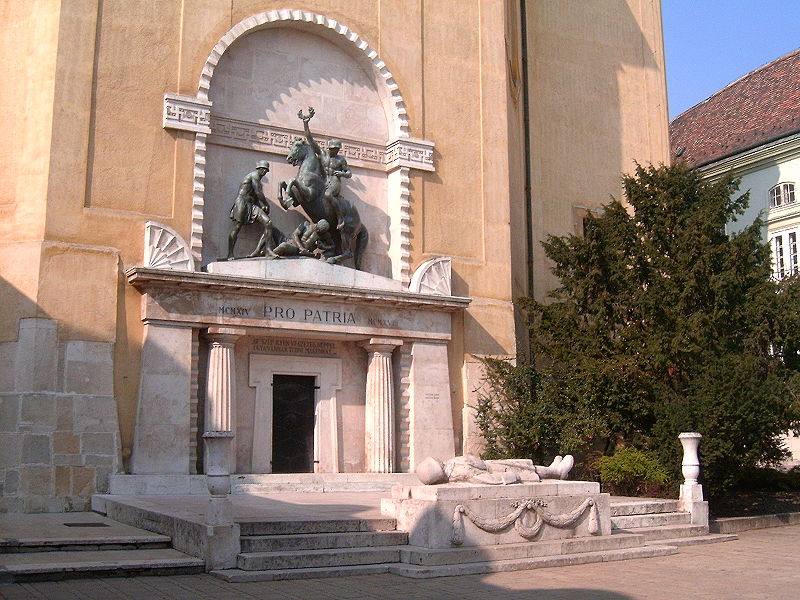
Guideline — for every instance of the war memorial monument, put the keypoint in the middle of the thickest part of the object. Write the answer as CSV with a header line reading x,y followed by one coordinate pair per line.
x,y
268,247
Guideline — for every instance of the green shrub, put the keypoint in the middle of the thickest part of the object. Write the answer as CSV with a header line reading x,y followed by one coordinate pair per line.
x,y
765,478
631,472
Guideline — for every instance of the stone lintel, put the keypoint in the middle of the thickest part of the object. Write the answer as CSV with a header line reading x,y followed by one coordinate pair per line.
x,y
145,279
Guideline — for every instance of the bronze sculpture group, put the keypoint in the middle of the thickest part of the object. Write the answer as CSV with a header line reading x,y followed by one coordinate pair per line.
x,y
335,232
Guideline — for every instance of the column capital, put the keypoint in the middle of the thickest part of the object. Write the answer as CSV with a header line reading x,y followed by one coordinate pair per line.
x,y
381,344
224,335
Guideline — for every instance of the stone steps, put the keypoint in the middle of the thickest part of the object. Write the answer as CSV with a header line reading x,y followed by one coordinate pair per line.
x,y
314,526
351,546
74,545
150,542
711,538
641,506
522,564
651,520
446,570
242,576
320,541
328,557
415,555
665,532
52,566
659,522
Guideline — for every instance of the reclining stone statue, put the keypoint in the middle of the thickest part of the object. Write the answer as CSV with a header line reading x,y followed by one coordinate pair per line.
x,y
471,469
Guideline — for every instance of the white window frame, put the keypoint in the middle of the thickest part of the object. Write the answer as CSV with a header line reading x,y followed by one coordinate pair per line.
x,y
782,194
785,257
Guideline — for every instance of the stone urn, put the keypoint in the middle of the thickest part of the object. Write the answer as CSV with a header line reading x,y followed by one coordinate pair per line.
x,y
690,466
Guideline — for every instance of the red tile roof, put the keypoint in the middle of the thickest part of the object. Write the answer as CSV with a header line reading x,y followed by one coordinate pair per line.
x,y
762,106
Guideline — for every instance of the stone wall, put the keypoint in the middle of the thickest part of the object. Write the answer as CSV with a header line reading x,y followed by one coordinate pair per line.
x,y
59,435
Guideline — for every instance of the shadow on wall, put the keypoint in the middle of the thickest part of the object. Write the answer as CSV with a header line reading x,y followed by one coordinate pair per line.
x,y
592,112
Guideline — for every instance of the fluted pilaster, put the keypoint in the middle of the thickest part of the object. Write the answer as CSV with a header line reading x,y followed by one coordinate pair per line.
x,y
221,385
379,439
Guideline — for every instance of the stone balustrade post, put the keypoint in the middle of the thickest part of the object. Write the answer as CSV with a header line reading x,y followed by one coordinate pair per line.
x,y
691,494
379,438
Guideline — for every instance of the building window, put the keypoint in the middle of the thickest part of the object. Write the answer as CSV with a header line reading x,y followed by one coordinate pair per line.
x,y
785,260
781,195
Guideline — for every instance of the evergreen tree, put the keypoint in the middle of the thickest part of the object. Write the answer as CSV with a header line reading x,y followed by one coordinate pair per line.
x,y
663,323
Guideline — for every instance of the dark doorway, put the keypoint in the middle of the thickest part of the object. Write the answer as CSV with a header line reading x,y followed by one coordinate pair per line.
x,y
292,424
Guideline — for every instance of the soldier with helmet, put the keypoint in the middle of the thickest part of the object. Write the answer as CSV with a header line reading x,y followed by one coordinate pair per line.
x,y
251,206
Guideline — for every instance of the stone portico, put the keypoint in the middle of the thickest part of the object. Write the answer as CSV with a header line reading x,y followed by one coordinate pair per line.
x,y
376,356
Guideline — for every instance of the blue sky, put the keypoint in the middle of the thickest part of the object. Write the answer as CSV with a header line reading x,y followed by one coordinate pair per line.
x,y
711,43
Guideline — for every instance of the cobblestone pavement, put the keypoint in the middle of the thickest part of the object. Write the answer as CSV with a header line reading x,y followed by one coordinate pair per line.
x,y
761,564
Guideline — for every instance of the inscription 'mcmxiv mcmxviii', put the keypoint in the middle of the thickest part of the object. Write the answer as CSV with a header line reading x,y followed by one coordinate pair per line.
x,y
287,313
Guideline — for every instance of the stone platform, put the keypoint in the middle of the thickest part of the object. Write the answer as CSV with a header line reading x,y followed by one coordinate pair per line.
x,y
302,535
305,270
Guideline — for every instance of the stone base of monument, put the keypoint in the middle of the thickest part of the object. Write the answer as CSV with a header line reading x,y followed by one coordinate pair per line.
x,y
456,529
304,270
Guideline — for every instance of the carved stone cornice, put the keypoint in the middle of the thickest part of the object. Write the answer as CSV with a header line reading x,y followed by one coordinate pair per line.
x,y
144,279
410,152
403,152
187,113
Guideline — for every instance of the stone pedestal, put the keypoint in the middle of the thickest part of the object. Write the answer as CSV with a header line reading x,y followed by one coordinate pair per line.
x,y
691,495
379,431
459,528
222,533
432,516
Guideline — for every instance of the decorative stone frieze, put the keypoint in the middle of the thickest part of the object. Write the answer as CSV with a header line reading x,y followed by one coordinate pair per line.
x,y
207,300
187,113
410,152
403,152
270,138
524,511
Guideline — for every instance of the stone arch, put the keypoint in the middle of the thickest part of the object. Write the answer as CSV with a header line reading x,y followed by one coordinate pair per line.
x,y
405,152
319,23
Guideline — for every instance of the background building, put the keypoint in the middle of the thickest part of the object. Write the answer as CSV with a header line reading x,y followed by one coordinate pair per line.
x,y
751,128
474,130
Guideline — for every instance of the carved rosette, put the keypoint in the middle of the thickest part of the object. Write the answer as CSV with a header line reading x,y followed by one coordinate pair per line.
x,y
165,249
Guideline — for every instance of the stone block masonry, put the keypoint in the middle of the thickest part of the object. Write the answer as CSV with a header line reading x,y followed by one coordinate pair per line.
x,y
59,434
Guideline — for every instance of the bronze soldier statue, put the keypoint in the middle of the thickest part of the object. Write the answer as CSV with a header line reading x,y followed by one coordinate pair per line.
x,y
306,240
251,206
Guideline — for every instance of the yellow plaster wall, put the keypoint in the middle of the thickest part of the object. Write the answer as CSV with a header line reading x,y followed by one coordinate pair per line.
x,y
598,102
94,152
28,42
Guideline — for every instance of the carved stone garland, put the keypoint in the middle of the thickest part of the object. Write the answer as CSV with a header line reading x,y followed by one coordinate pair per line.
x,y
520,517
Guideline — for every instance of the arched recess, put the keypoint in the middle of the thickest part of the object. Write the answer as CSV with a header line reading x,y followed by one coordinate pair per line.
x,y
399,154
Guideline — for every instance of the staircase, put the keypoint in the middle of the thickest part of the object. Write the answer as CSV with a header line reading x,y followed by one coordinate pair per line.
x,y
81,545
660,522
304,549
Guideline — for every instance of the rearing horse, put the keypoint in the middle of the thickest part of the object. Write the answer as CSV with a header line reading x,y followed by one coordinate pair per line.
x,y
307,189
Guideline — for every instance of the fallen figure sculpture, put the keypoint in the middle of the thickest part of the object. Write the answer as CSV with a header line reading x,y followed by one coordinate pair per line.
x,y
471,469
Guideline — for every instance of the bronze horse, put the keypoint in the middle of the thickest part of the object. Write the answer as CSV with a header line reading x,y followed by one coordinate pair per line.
x,y
307,190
